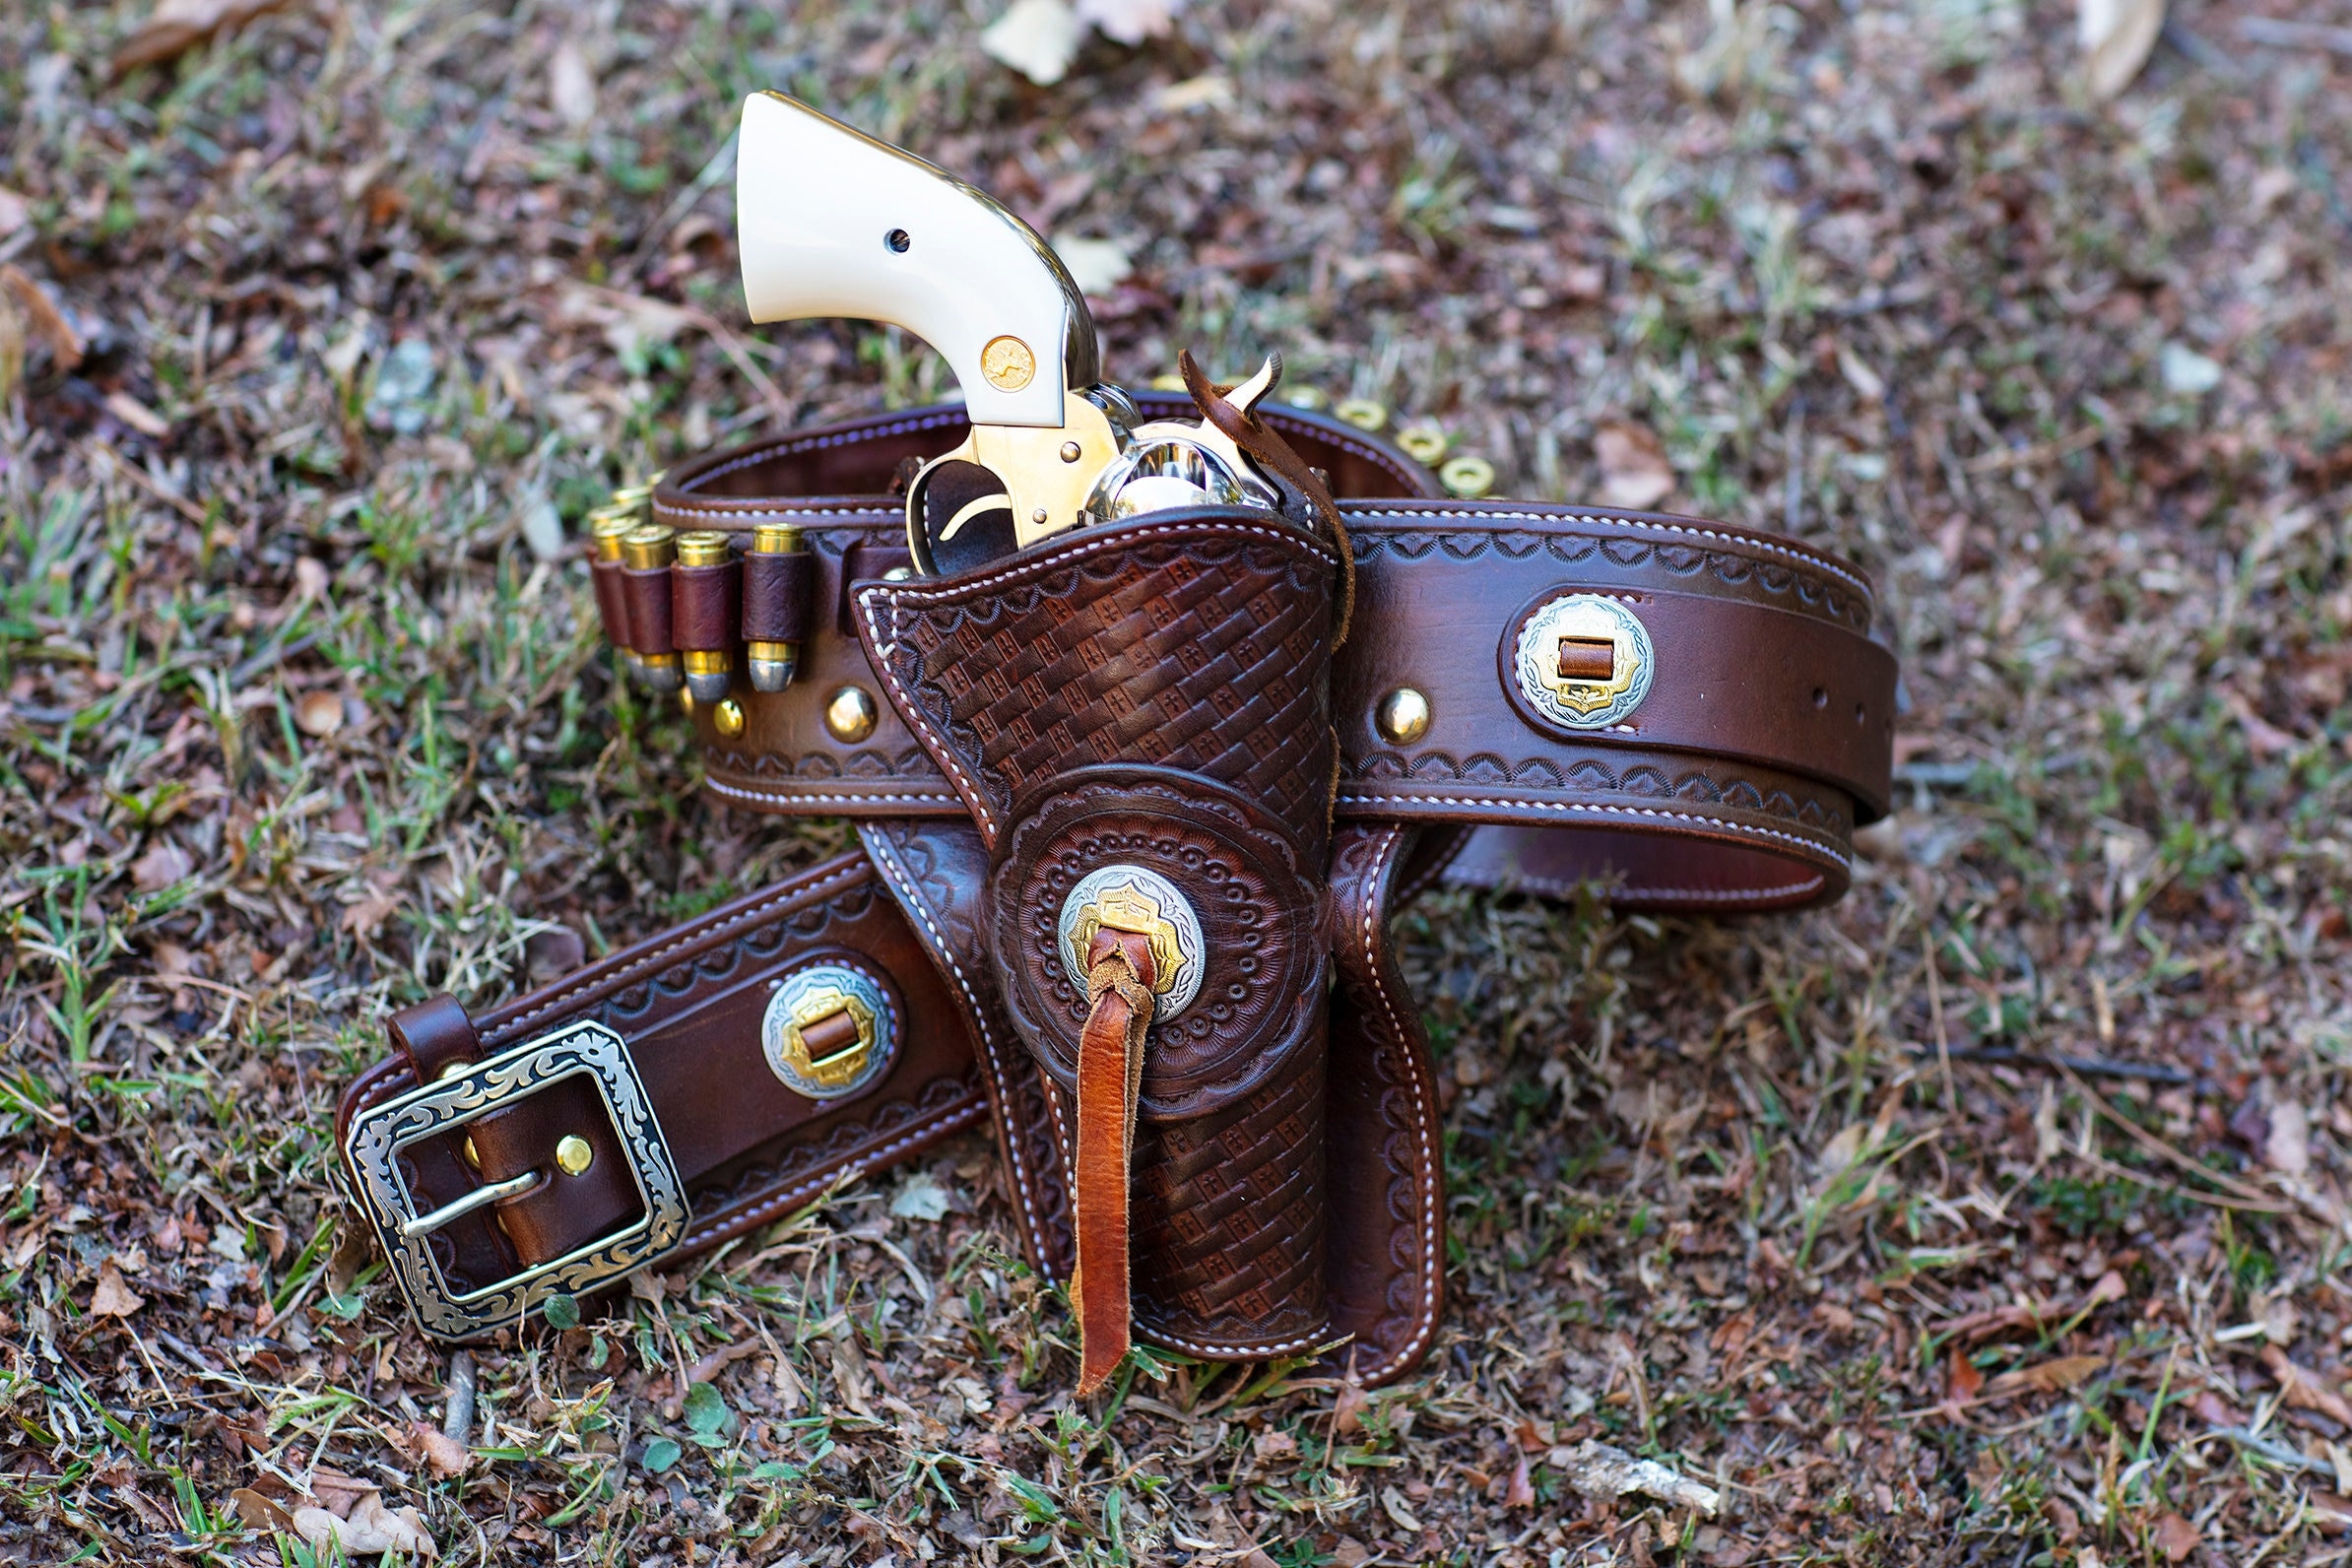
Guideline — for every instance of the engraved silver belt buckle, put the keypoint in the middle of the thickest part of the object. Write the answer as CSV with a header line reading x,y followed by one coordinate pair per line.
x,y
377,1135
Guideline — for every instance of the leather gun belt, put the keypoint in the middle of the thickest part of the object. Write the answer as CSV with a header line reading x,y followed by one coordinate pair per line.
x,y
1531,696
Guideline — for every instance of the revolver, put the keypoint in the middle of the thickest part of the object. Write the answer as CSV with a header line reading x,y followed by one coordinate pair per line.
x,y
833,222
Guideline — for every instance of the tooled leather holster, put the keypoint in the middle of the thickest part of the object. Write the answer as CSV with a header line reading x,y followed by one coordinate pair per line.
x,y
1136,806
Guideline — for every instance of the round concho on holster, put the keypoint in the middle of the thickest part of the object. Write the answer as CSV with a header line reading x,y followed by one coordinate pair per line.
x,y
1228,1207
1225,1023
832,1028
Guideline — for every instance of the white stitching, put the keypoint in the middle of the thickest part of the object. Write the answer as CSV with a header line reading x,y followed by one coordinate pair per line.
x,y
939,749
1590,519
1560,887
930,796
1096,542
1428,1184
846,509
653,962
887,859
1229,1352
1490,804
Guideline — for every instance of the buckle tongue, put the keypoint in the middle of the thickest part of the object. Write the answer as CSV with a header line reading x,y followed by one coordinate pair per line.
x,y
378,1134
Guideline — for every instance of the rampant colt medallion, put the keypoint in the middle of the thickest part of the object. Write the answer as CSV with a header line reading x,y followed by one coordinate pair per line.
x,y
1584,661
1135,899
829,1031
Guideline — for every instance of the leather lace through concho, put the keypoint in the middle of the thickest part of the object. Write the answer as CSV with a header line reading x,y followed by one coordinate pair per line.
x,y
1251,1170
1119,976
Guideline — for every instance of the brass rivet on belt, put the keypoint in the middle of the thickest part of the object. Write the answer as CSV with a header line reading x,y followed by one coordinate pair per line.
x,y
1040,516
1072,451
728,718
574,1157
849,713
1403,716
1364,413
1466,478
899,574
1424,444
1007,362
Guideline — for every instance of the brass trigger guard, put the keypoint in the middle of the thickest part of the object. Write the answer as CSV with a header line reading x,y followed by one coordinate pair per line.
x,y
1046,471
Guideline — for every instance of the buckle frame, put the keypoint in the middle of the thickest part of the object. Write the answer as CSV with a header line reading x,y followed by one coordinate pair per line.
x,y
377,1135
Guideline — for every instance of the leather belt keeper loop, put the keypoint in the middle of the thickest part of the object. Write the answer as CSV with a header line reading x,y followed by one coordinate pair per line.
x,y
706,606
778,587
651,622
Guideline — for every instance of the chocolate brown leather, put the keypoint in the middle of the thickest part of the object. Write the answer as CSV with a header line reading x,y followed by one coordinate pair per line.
x,y
1171,691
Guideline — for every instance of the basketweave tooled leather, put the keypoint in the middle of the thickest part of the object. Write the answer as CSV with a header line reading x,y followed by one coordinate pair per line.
x,y
1734,786
1155,692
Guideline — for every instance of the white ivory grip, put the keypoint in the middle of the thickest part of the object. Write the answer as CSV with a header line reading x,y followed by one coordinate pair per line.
x,y
833,223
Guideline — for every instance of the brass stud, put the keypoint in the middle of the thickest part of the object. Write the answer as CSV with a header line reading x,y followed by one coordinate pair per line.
x,y
1364,413
1466,478
899,574
1072,451
1403,716
1425,444
574,1157
849,713
728,718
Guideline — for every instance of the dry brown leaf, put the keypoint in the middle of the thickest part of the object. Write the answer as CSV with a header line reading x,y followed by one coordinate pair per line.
x,y
445,1455
2047,1377
112,1298
1036,38
2304,1389
161,866
372,1530
1961,1380
1521,1493
42,318
1634,471
2287,1148
2177,1538
571,85
2117,37
179,26
1130,22
319,713
138,416
1347,1407
339,1493
257,1512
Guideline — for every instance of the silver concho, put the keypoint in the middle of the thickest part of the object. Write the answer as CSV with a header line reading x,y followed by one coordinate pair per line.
x,y
1135,899
1577,627
829,1068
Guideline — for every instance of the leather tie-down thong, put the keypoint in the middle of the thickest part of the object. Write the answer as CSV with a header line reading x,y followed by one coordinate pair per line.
x,y
1141,772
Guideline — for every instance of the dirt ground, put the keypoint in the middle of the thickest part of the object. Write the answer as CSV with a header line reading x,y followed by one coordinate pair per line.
x,y
318,340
